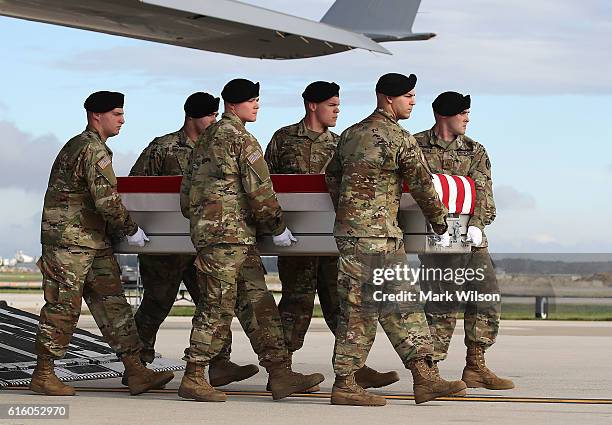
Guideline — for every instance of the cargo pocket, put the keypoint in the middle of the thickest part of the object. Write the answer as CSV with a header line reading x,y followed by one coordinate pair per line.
x,y
104,277
61,283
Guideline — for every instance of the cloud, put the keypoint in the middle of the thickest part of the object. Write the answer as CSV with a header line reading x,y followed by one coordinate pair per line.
x,y
484,47
20,221
25,160
545,238
508,198
122,162
609,168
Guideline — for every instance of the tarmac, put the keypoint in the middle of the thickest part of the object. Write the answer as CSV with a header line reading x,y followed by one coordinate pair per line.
x,y
561,370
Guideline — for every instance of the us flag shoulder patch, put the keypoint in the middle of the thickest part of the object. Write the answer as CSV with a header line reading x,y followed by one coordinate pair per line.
x,y
252,158
104,162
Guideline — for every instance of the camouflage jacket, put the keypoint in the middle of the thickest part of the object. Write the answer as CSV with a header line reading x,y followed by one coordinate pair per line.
x,y
365,178
227,190
464,157
82,206
167,155
297,150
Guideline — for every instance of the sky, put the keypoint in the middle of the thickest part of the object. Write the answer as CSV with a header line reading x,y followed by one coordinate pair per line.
x,y
539,74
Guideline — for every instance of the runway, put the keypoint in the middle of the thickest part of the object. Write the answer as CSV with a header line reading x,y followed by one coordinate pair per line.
x,y
327,395
561,370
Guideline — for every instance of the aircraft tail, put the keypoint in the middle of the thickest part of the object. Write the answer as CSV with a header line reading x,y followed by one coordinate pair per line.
x,y
380,20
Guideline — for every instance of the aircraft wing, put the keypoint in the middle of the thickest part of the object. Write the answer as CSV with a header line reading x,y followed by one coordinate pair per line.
x,y
223,26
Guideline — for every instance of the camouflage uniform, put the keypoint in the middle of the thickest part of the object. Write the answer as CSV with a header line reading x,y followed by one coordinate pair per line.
x,y
365,178
465,157
81,208
297,150
225,192
161,275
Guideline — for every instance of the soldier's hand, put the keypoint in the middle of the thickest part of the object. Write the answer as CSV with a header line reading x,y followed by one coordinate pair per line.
x,y
138,239
284,239
444,240
474,235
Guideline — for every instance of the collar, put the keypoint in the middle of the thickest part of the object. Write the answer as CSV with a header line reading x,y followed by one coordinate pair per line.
x,y
183,139
304,131
93,134
234,119
386,114
458,143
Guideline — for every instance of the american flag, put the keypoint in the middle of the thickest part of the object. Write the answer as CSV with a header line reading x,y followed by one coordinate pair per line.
x,y
458,193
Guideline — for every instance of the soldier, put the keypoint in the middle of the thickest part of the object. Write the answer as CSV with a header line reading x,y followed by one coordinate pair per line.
x,y
449,151
81,208
365,179
306,148
161,275
225,192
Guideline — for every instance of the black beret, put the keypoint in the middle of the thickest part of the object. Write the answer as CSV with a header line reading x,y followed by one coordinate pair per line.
x,y
393,84
200,104
240,90
103,101
320,91
451,103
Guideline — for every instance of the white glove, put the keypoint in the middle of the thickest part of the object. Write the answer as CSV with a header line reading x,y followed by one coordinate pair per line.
x,y
474,235
444,240
138,239
284,239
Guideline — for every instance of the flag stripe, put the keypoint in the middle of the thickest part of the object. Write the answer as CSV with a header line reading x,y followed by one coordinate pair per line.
x,y
452,194
438,186
473,186
445,190
460,194
467,203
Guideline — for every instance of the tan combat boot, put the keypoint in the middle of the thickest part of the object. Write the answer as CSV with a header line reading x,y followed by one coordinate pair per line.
x,y
195,387
124,378
223,372
367,377
141,379
477,375
347,392
428,384
44,380
461,393
313,389
284,382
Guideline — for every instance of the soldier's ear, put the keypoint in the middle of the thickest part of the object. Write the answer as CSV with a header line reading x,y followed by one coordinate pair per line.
x,y
310,106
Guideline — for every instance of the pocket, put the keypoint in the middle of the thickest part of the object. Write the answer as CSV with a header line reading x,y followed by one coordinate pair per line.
x,y
104,277
258,166
104,167
60,282
50,290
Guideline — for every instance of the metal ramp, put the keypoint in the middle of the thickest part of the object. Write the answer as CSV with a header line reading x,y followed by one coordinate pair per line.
x,y
88,356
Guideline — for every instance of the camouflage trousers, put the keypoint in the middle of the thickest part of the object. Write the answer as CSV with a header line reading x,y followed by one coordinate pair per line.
x,y
404,322
481,318
71,274
302,278
231,281
161,277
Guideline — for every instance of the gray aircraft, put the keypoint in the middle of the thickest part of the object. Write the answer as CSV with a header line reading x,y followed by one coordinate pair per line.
x,y
232,27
